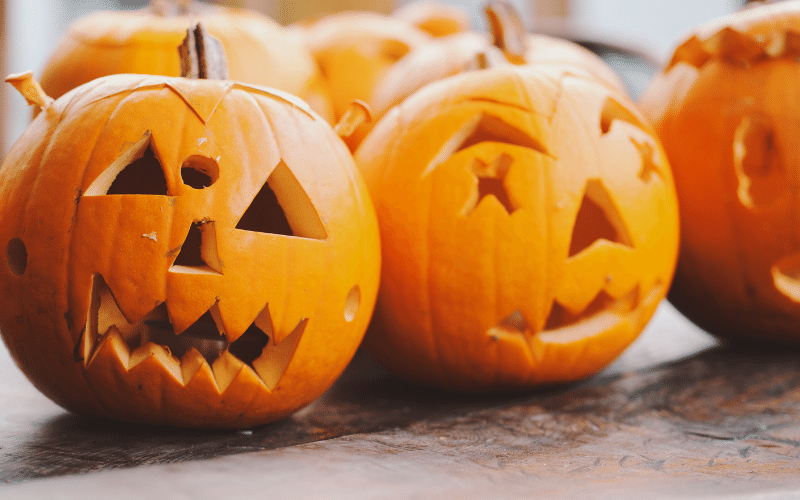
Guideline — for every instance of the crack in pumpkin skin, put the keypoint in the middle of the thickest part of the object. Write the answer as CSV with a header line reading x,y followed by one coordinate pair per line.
x,y
145,384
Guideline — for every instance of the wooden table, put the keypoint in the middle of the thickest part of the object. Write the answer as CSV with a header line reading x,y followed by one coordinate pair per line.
x,y
677,416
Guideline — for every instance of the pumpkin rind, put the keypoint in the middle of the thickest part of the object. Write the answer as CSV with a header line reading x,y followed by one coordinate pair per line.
x,y
259,51
80,241
726,110
481,290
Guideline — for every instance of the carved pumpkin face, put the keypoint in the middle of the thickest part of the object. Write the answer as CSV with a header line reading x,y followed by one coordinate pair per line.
x,y
528,225
726,111
184,252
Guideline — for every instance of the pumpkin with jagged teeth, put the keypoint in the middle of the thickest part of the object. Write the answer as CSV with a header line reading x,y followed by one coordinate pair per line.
x,y
187,252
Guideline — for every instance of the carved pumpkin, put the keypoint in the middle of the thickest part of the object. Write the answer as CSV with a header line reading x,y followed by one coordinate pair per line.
x,y
435,18
259,51
354,49
727,112
187,252
528,228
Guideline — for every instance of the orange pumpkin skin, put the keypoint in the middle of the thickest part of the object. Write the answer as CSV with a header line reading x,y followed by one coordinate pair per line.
x,y
259,51
457,53
435,18
726,111
354,49
528,228
93,270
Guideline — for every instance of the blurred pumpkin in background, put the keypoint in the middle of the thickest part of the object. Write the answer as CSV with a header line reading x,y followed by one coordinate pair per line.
x,y
191,252
454,54
435,18
528,224
727,111
354,49
144,41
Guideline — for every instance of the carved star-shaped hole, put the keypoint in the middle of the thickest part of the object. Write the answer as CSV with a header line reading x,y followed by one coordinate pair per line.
x,y
491,183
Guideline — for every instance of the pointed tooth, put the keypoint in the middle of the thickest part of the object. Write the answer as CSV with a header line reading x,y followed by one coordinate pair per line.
x,y
786,44
195,369
734,46
225,368
245,386
264,323
692,52
111,349
185,309
155,357
275,358
233,319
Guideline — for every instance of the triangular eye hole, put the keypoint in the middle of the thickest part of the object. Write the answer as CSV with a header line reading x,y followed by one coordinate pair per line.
x,y
136,171
598,219
283,207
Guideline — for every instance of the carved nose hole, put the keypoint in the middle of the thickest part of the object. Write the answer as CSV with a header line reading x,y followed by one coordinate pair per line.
x,y
199,172
757,161
198,253
17,256
597,219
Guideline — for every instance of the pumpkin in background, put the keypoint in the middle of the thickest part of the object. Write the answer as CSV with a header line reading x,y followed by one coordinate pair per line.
x,y
457,53
196,253
143,41
354,49
528,227
435,18
727,110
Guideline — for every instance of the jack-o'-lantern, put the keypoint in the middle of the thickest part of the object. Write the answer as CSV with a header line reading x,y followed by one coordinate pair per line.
x,y
354,49
188,252
258,49
528,228
434,17
727,113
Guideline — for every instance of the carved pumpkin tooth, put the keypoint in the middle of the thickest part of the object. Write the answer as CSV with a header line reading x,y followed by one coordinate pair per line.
x,y
225,369
157,356
275,358
193,364
111,348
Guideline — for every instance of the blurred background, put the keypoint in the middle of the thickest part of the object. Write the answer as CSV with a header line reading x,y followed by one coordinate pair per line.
x,y
30,29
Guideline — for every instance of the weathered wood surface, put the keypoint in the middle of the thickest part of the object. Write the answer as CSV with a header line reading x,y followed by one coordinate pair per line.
x,y
721,423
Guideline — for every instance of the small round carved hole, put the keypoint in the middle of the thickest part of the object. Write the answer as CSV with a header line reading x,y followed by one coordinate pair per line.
x,y
352,303
17,256
199,172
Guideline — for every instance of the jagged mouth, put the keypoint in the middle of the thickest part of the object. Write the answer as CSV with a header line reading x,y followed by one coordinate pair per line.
x,y
185,352
602,313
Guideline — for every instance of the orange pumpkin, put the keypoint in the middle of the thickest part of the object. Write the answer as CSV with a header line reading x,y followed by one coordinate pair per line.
x,y
528,227
727,112
143,41
435,18
457,53
354,49
176,253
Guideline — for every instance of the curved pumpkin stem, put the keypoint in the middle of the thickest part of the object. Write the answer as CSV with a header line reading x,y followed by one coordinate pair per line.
x,y
30,89
357,113
202,55
508,30
166,8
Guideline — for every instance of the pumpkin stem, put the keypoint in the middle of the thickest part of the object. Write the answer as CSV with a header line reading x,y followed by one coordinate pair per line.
x,y
508,30
30,89
202,55
486,59
165,8
357,113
